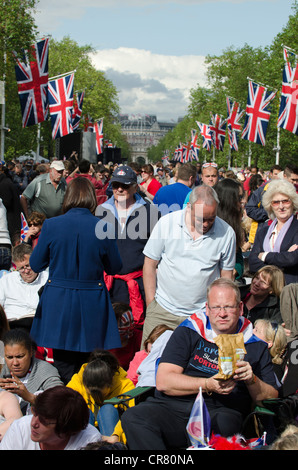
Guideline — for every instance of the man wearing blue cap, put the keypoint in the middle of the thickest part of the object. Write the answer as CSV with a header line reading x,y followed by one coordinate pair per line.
x,y
132,220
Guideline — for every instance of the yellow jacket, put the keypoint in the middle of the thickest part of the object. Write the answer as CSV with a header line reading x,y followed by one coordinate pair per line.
x,y
120,385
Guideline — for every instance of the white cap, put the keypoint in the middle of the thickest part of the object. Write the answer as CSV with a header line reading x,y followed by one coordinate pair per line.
x,y
58,165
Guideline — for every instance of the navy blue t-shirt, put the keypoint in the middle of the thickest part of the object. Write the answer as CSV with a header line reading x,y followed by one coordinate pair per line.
x,y
199,358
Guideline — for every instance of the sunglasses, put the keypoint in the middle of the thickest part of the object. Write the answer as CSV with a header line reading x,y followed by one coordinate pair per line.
x,y
284,202
206,165
117,185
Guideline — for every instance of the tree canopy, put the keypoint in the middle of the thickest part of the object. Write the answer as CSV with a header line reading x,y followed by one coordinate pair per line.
x,y
227,75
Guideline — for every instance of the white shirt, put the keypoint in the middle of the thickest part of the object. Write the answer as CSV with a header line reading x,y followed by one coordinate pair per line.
x,y
187,266
19,298
17,437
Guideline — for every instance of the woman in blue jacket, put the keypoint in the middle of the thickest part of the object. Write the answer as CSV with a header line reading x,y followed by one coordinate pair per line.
x,y
75,314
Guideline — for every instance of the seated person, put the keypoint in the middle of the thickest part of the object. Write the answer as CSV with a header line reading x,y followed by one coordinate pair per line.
x,y
98,380
60,421
188,363
23,374
35,221
19,289
140,356
9,411
261,298
275,336
130,336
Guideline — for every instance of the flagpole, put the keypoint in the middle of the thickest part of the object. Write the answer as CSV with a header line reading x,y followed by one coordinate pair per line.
x,y
3,114
262,84
62,75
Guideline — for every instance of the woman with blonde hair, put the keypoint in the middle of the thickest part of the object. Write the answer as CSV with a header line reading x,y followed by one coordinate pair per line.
x,y
261,297
276,243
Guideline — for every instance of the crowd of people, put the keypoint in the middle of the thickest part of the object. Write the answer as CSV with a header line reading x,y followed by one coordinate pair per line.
x,y
117,276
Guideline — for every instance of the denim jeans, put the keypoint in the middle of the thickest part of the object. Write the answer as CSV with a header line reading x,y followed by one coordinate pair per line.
x,y
5,258
107,418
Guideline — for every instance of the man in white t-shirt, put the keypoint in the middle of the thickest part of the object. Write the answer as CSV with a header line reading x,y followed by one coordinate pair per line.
x,y
19,289
187,251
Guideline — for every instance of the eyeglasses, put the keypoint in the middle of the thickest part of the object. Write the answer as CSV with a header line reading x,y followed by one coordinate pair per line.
x,y
117,185
206,165
22,268
226,308
284,202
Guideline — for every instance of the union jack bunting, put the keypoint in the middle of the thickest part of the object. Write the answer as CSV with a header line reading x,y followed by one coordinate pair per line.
x,y
194,145
233,121
205,133
165,157
32,81
257,113
218,131
288,110
98,129
186,153
77,110
61,105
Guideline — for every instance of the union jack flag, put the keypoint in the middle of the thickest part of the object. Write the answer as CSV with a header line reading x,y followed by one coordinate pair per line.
x,y
32,80
288,110
24,227
178,152
186,153
205,133
194,145
257,113
233,121
77,110
98,128
218,131
89,124
61,105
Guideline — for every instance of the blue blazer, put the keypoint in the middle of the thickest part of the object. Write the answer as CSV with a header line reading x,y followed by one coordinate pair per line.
x,y
286,260
75,312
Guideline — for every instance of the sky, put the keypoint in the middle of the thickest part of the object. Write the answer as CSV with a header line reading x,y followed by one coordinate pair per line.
x,y
154,50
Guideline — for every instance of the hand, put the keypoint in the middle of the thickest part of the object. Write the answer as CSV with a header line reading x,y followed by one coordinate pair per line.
x,y
243,372
223,387
293,248
260,255
16,386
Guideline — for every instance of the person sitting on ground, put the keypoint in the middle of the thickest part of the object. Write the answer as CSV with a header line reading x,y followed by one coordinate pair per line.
x,y
130,336
9,411
274,335
261,297
19,289
60,421
189,363
140,356
35,221
23,374
98,380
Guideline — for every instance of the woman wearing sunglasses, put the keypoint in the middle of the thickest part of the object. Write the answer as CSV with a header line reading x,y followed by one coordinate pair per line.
x,y
277,243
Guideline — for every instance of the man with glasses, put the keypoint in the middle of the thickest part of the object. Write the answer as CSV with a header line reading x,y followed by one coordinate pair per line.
x,y
132,220
19,289
189,362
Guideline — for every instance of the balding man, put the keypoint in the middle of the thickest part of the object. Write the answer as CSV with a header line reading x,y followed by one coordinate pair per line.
x,y
186,251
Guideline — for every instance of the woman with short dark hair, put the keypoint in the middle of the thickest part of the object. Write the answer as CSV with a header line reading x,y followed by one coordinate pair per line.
x,y
60,421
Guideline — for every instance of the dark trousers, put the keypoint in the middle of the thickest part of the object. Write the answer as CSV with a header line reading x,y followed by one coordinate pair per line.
x,y
68,363
23,323
154,425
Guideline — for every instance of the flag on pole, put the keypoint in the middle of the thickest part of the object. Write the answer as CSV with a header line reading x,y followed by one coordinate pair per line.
x,y
32,81
77,110
288,110
206,134
257,113
218,131
98,129
199,423
194,145
61,105
233,121
88,124
24,227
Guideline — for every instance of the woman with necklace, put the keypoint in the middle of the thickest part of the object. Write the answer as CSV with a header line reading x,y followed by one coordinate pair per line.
x,y
277,243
